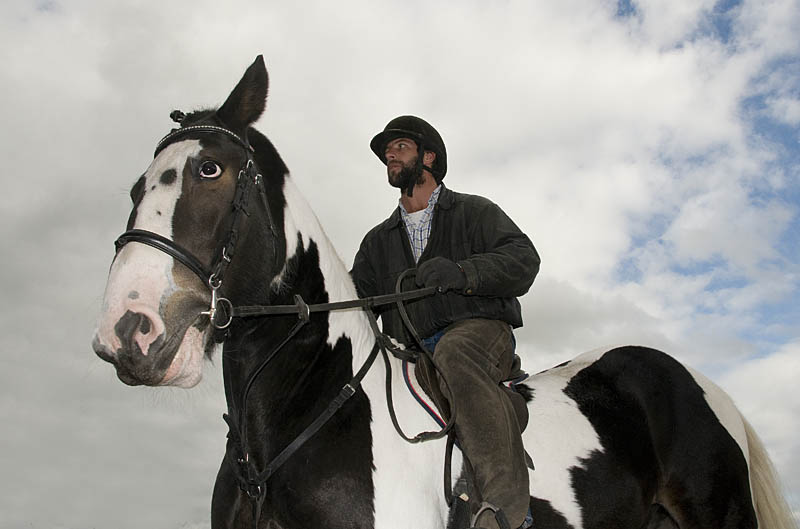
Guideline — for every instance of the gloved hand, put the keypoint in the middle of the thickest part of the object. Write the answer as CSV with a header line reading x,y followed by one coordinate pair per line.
x,y
441,272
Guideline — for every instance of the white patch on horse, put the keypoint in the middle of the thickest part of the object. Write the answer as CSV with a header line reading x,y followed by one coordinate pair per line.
x,y
157,207
553,411
407,477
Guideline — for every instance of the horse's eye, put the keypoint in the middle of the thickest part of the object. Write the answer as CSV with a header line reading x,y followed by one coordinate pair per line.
x,y
209,169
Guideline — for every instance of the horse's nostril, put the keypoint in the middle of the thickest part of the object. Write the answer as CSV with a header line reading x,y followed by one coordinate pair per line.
x,y
136,332
126,327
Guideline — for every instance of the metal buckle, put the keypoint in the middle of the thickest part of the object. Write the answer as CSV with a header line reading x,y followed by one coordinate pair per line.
x,y
214,284
229,310
303,310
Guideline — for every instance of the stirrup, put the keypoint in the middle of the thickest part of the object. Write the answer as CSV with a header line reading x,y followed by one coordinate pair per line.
x,y
499,516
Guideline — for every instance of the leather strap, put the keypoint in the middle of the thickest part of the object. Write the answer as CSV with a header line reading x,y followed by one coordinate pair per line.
x,y
244,311
159,242
176,133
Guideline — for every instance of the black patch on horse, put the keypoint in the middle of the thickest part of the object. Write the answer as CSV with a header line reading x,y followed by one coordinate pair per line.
x,y
544,515
662,443
168,177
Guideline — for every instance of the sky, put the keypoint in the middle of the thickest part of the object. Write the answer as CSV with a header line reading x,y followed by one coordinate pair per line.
x,y
649,149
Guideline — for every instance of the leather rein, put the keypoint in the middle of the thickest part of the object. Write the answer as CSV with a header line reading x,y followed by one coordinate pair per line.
x,y
221,313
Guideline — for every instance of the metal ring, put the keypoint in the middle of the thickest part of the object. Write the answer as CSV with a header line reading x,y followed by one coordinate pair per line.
x,y
253,491
213,282
221,301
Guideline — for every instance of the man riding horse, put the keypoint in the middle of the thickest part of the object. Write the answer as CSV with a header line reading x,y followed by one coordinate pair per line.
x,y
481,262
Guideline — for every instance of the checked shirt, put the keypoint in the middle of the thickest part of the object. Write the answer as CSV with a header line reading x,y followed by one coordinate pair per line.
x,y
418,224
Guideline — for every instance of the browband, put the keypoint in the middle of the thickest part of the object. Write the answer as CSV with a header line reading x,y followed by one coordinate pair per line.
x,y
166,140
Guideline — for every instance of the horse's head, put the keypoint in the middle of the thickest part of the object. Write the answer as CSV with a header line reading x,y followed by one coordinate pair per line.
x,y
202,197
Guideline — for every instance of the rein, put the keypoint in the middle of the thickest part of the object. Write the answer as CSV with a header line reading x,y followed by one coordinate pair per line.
x,y
252,482
222,311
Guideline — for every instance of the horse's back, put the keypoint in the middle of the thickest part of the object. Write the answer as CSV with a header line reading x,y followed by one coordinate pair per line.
x,y
614,433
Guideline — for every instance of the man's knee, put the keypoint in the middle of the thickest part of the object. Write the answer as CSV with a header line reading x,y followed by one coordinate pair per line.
x,y
476,344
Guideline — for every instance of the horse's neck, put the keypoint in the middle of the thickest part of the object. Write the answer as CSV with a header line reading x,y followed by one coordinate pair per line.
x,y
314,365
301,228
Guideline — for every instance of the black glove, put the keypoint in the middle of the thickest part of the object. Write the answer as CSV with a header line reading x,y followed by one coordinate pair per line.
x,y
442,273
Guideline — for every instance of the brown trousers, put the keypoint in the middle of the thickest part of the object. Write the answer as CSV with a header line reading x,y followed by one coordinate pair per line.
x,y
475,356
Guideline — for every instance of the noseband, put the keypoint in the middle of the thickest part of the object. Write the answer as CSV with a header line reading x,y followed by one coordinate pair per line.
x,y
247,178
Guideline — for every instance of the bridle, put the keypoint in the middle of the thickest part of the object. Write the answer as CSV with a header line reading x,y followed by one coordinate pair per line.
x,y
252,482
247,178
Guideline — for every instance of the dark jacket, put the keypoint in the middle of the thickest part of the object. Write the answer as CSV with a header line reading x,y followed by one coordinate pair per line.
x,y
499,262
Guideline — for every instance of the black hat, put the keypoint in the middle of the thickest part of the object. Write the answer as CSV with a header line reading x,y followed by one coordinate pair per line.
x,y
418,130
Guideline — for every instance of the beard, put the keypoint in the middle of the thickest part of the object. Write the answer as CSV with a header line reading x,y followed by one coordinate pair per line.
x,y
408,175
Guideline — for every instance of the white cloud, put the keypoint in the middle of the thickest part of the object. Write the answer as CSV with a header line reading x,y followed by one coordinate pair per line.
x,y
770,25
725,222
785,109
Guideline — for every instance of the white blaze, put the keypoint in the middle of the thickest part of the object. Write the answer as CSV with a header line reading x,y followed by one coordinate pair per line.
x,y
141,277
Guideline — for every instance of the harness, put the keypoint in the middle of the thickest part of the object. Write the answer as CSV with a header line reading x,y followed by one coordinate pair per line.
x,y
221,313
247,178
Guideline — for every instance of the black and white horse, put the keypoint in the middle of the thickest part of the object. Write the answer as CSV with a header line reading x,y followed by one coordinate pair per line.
x,y
622,438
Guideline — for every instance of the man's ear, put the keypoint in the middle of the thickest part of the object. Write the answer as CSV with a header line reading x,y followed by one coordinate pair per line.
x,y
428,157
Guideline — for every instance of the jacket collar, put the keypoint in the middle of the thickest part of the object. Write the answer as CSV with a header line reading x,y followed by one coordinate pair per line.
x,y
446,200
446,197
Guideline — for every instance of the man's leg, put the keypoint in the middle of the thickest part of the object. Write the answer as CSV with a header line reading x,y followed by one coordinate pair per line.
x,y
475,355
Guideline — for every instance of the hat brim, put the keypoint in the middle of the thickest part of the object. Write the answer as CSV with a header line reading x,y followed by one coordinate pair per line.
x,y
378,143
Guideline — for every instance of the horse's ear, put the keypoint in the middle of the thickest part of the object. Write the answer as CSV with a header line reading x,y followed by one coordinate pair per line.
x,y
247,101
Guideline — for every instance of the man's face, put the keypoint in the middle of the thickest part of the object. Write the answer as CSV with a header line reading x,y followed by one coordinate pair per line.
x,y
401,161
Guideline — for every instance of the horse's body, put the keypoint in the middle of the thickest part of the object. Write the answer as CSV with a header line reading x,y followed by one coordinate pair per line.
x,y
625,438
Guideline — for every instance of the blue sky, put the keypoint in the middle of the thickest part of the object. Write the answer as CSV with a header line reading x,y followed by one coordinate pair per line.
x,y
770,120
650,150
